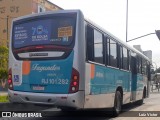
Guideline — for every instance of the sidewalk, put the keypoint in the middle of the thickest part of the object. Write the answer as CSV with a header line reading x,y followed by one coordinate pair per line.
x,y
2,93
154,88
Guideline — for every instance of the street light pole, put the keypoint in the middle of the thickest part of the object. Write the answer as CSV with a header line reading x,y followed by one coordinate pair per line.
x,y
127,21
140,37
157,32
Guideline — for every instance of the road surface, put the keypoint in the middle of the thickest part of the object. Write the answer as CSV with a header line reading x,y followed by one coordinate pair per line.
x,y
150,110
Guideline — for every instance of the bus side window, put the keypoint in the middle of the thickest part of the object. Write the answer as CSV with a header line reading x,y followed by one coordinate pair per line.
x,y
98,47
129,60
144,67
139,64
105,50
125,59
113,53
94,45
120,56
90,43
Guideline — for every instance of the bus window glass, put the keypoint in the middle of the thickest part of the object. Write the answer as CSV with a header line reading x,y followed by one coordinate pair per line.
x,y
139,64
90,48
113,53
125,58
144,66
47,31
108,49
120,57
98,49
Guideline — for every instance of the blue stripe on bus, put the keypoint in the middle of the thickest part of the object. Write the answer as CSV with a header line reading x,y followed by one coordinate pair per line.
x,y
137,82
107,79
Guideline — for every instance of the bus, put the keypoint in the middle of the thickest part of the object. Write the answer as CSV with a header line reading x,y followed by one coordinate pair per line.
x,y
60,58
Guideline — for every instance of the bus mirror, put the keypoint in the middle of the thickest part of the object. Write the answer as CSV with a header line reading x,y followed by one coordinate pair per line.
x,y
158,33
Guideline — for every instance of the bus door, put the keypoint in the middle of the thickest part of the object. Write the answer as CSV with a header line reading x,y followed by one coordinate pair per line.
x,y
148,80
133,78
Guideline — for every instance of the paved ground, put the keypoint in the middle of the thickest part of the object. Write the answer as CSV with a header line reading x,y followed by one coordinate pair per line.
x,y
3,93
147,111
150,110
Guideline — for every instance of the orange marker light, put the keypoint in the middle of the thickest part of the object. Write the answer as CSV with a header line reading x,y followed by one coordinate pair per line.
x,y
9,76
75,77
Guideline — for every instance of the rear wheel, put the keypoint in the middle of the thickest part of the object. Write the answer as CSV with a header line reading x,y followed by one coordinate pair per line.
x,y
117,104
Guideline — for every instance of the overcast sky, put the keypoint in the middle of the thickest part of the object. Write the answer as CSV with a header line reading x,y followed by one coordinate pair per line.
x,y
143,18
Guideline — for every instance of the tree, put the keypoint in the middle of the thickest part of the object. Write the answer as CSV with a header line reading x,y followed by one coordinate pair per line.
x,y
4,57
3,66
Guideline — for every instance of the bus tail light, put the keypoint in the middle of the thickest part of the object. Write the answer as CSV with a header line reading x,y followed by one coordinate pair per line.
x,y
74,85
10,83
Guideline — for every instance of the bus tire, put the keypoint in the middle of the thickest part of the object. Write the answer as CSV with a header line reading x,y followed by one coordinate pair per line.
x,y
117,104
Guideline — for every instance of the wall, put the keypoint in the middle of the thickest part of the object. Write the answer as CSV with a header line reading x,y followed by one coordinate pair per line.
x,y
12,9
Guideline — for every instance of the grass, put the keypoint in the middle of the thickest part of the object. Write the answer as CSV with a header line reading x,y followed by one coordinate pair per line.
x,y
4,98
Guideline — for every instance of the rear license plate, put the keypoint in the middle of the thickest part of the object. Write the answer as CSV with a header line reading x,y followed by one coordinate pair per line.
x,y
38,87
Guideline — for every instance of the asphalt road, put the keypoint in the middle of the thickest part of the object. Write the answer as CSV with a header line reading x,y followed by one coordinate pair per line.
x,y
150,110
151,106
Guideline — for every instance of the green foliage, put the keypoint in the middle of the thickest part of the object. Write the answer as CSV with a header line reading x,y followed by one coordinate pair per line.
x,y
3,73
3,50
4,57
3,62
4,98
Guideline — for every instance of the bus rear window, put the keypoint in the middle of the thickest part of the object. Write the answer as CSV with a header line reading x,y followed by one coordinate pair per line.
x,y
54,30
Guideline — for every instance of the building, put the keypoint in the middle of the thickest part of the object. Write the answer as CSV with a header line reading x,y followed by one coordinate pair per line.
x,y
138,47
147,53
10,9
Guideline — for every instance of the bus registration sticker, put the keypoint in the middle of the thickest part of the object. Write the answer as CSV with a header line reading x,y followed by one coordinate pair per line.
x,y
65,31
38,87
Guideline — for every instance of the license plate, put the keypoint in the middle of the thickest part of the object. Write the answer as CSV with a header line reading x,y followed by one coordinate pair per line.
x,y
38,87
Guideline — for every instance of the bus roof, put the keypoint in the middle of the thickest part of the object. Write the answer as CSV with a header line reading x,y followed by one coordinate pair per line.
x,y
45,13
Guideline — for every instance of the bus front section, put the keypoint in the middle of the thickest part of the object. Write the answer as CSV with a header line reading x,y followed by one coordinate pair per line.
x,y
42,66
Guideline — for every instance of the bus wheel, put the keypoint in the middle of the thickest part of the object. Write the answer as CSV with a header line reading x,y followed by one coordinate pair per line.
x,y
117,104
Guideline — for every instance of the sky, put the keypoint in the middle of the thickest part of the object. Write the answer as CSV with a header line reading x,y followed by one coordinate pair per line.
x,y
143,18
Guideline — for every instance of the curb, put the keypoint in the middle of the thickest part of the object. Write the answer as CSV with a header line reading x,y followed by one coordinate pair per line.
x,y
3,93
4,103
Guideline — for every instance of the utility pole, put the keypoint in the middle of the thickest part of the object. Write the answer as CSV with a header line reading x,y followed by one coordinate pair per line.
x,y
127,21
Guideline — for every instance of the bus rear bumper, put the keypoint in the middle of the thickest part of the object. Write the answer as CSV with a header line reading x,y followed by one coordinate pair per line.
x,y
74,100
